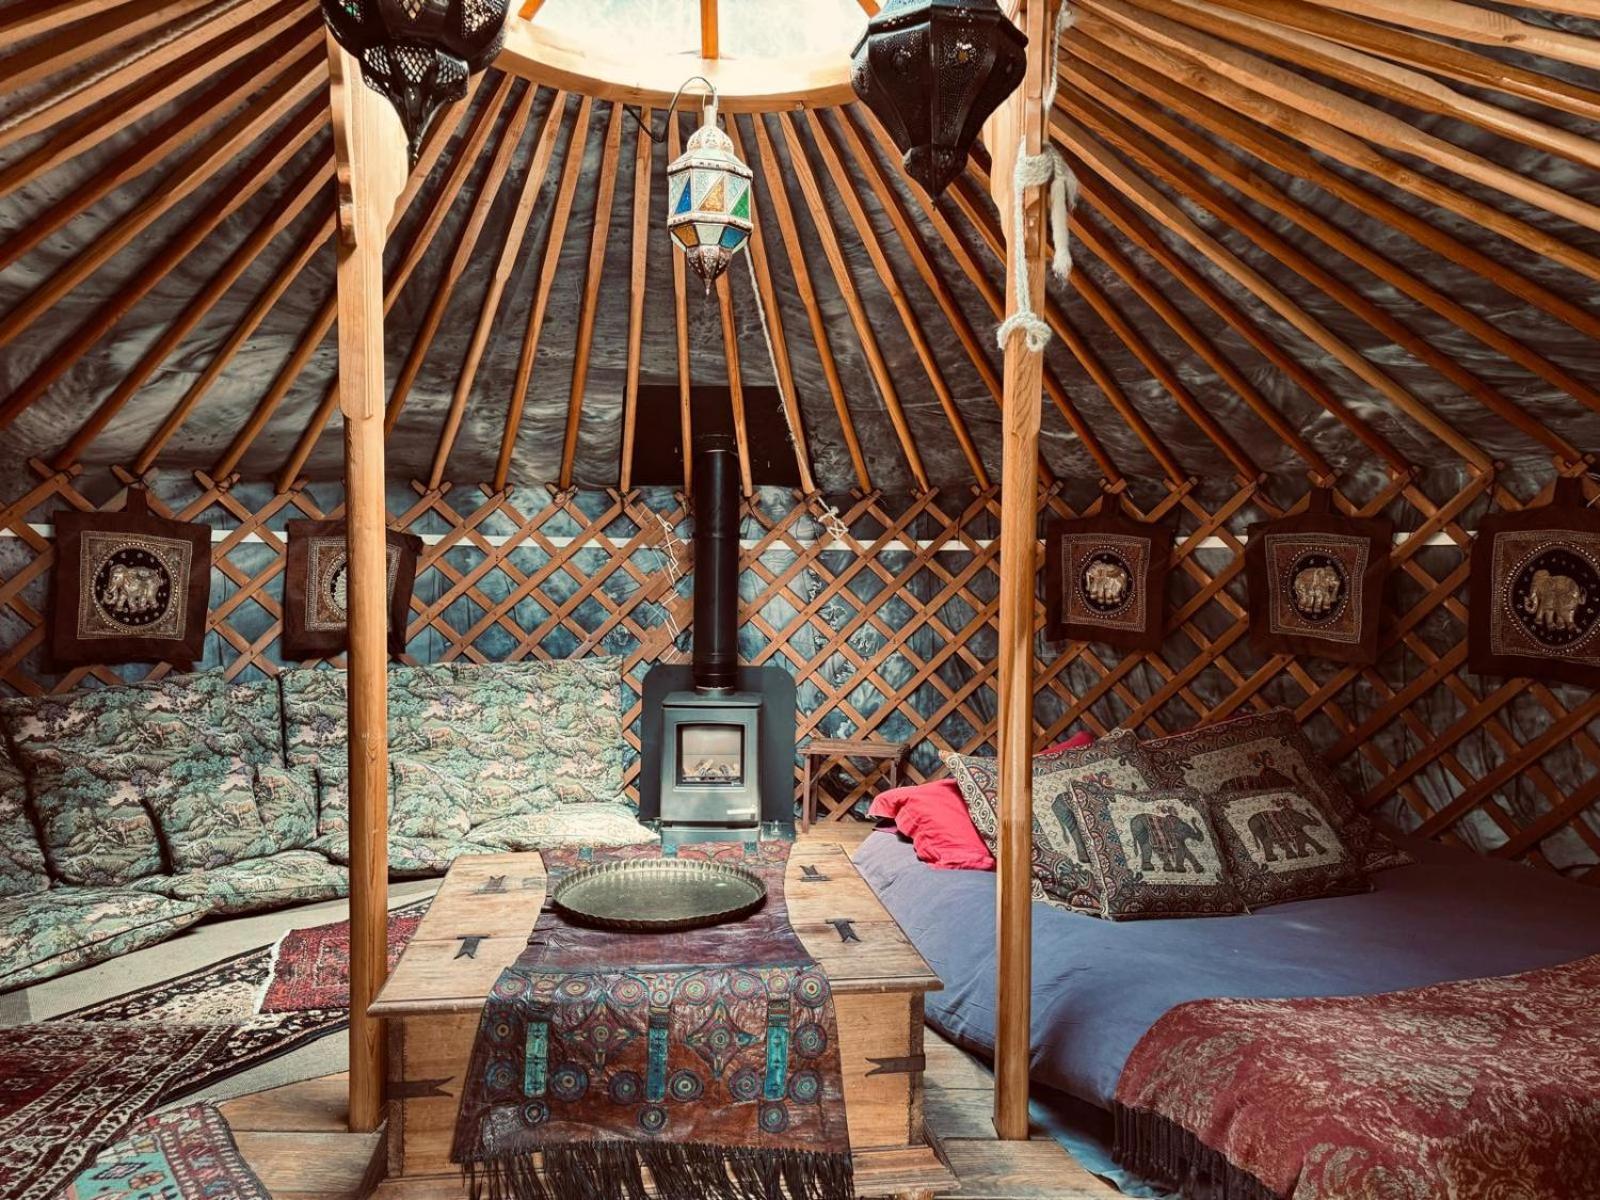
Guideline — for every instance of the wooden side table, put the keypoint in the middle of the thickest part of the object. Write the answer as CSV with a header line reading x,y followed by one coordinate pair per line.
x,y
820,753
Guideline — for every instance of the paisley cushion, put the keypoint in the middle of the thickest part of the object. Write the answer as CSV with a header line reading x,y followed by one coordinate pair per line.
x,y
1282,845
426,799
22,869
66,928
213,811
1156,853
525,736
92,758
292,877
409,857
1061,860
569,825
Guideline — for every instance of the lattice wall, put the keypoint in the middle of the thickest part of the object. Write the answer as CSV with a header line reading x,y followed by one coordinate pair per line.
x,y
888,624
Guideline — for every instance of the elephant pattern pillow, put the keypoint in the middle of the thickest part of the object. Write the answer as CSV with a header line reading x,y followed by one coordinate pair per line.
x,y
1061,861
1280,845
1156,853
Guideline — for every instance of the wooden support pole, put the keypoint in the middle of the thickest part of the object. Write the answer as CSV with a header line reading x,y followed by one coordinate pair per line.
x,y
1018,127
370,150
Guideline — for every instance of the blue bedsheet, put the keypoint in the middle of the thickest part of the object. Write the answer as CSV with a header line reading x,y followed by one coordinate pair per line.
x,y
1099,985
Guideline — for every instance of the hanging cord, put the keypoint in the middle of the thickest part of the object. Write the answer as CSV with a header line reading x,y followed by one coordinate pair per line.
x,y
1037,170
831,520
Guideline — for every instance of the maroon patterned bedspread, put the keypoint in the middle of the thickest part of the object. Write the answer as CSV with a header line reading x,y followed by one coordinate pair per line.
x,y
1487,1088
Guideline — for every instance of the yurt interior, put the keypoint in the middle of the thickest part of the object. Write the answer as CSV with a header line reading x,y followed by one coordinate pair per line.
x,y
799,599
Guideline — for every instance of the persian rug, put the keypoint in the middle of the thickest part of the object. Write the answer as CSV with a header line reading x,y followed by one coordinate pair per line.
x,y
67,1089
1474,1090
229,993
707,1058
310,968
186,1154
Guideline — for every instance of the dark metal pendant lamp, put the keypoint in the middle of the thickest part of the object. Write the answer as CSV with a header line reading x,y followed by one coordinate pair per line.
x,y
932,71
418,53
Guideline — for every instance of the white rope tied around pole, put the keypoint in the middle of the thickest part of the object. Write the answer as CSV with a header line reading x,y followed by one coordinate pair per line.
x,y
1039,170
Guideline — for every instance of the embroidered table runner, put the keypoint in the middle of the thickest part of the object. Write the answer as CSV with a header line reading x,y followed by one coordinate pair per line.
x,y
708,1058
1476,1090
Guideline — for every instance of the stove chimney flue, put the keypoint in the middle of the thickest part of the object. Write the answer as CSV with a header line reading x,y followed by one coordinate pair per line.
x,y
716,566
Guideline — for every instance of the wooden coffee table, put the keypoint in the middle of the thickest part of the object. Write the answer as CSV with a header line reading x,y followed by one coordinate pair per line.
x,y
478,924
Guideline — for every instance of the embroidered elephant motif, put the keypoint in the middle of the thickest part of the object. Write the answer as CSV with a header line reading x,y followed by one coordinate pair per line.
x,y
1286,830
1553,602
1106,583
132,590
1165,835
1316,590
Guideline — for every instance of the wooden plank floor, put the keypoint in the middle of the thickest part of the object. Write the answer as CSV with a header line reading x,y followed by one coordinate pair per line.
x,y
295,1138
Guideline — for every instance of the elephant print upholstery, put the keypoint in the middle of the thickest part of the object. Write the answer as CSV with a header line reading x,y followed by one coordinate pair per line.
x,y
1280,844
1155,852
1285,829
1168,835
1062,862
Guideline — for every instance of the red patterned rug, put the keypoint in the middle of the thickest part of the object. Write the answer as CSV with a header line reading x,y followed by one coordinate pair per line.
x,y
311,967
186,1154
68,1088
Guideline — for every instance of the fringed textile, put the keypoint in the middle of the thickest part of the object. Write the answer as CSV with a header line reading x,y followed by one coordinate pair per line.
x,y
703,1063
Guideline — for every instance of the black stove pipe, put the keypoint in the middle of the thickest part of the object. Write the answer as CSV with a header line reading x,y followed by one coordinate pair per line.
x,y
716,566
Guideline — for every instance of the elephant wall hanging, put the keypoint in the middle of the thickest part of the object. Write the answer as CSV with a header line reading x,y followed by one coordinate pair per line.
x,y
1316,582
1106,580
129,587
314,617
1535,591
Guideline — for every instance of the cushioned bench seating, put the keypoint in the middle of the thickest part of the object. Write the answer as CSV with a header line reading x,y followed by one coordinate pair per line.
x,y
129,813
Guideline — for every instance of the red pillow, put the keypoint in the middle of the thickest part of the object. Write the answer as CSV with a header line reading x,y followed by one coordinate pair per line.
x,y
1081,740
934,816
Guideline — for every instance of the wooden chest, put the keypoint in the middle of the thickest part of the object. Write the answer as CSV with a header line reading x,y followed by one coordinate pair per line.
x,y
479,923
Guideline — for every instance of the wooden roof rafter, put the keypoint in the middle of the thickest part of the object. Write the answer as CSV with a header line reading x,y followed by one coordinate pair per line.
x,y
510,251
1142,150
1229,167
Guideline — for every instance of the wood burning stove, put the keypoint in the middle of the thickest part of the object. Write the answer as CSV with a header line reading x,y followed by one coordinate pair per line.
x,y
708,756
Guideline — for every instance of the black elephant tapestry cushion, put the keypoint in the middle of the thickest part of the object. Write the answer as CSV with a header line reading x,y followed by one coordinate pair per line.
x,y
1156,853
1281,845
129,587
1316,582
1269,749
315,576
1535,592
1061,862
1106,580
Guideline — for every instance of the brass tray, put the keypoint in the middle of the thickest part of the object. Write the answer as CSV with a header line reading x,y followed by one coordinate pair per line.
x,y
658,895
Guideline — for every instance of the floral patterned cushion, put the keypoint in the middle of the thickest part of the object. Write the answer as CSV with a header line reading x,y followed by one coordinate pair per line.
x,y
570,825
526,736
292,877
426,799
22,869
1156,853
1282,845
213,811
409,857
92,758
66,928
1061,861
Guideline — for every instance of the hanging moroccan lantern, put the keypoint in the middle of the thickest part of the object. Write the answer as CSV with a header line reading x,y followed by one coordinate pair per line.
x,y
418,53
708,198
932,71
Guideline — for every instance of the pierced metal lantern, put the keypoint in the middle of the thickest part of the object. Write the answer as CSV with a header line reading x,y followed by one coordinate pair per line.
x,y
708,199
932,71
418,53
